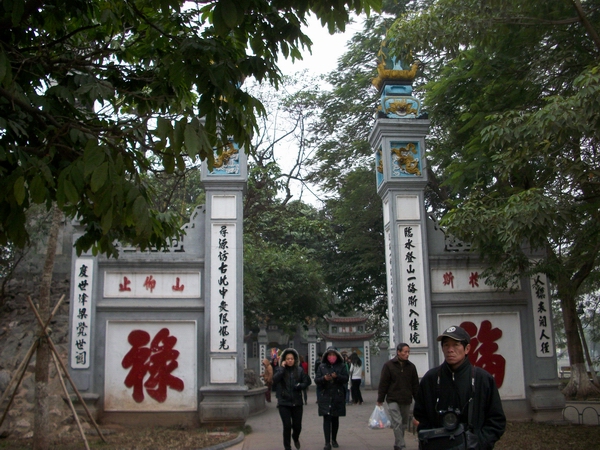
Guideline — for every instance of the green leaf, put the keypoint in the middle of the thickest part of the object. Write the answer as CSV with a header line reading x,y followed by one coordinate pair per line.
x,y
230,13
71,192
19,190
37,189
106,222
99,177
140,215
93,157
4,66
191,139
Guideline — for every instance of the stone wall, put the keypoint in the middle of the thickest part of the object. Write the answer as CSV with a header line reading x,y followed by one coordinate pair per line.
x,y
17,332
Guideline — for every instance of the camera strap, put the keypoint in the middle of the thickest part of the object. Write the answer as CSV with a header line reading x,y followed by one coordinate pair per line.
x,y
470,402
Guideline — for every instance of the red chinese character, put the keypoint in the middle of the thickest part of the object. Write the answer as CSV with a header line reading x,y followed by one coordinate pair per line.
x,y
474,279
124,286
449,279
136,359
150,283
158,361
484,347
177,287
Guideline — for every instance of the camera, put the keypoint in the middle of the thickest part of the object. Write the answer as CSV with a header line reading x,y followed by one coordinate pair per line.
x,y
450,418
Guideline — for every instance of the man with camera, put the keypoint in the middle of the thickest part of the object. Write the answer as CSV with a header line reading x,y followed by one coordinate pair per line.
x,y
458,405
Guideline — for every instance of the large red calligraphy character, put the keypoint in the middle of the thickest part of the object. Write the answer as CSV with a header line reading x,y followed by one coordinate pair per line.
x,y
158,360
136,359
484,347
162,363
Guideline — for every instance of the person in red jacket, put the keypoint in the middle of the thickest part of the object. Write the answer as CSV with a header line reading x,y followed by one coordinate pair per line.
x,y
398,385
304,366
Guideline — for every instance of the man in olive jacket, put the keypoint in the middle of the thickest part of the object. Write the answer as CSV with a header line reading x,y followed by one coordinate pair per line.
x,y
398,385
453,386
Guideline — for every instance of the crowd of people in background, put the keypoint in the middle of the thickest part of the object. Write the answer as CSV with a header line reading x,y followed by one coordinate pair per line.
x,y
455,385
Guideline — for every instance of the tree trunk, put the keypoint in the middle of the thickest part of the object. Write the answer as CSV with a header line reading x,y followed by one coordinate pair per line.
x,y
588,358
579,385
41,425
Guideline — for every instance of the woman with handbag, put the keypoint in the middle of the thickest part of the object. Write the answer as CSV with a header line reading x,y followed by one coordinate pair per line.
x,y
332,377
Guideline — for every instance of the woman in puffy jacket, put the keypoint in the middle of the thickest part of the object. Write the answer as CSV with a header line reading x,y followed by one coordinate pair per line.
x,y
332,377
289,380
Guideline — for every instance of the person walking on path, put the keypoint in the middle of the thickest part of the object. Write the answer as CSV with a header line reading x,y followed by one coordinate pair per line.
x,y
332,376
356,377
317,364
288,381
459,386
267,377
398,385
304,366
349,385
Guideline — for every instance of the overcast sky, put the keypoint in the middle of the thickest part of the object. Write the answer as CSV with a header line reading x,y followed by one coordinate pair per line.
x,y
326,49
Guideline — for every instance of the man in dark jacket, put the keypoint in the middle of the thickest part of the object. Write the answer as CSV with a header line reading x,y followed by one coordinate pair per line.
x,y
288,381
398,385
450,387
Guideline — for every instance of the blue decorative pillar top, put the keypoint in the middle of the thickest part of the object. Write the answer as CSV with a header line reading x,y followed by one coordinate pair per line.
x,y
394,81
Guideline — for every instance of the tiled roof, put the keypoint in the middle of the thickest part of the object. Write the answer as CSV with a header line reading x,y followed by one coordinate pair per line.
x,y
347,337
346,319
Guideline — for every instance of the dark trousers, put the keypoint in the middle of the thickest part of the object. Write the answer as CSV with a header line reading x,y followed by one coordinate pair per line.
x,y
291,418
268,393
331,425
356,395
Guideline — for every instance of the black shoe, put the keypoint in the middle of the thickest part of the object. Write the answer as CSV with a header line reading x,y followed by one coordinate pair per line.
x,y
297,444
327,447
334,444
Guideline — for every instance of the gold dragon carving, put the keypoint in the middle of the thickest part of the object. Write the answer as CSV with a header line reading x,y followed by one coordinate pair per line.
x,y
405,158
225,156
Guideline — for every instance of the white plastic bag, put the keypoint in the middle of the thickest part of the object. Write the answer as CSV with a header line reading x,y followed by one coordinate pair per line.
x,y
379,419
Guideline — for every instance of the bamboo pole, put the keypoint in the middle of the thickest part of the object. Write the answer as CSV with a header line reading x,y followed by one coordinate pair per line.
x,y
62,383
20,372
62,365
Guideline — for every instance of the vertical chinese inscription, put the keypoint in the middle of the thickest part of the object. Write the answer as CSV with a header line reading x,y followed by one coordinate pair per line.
x,y
542,314
81,313
412,294
389,258
223,288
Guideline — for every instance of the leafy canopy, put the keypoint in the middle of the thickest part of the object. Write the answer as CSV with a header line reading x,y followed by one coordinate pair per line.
x,y
89,90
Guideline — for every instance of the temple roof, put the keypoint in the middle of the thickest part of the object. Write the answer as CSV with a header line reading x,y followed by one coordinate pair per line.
x,y
347,337
346,320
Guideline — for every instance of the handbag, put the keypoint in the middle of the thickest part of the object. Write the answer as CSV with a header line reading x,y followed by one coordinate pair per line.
x,y
442,439
379,419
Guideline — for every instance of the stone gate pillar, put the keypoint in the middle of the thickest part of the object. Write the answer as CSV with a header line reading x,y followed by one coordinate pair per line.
x,y
399,144
222,396
434,281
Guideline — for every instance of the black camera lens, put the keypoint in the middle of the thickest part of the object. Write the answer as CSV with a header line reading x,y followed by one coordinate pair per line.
x,y
450,419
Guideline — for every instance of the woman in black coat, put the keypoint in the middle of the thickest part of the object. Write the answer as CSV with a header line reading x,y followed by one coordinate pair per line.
x,y
332,377
289,380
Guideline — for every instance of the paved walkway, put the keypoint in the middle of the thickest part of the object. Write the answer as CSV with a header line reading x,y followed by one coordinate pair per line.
x,y
354,434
